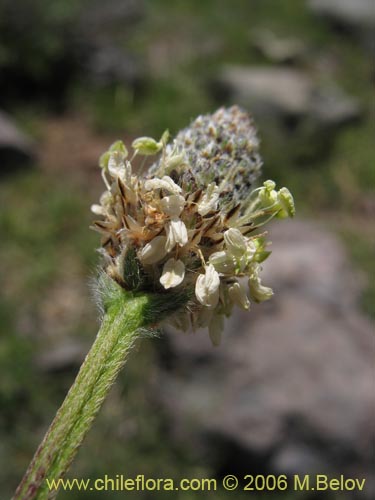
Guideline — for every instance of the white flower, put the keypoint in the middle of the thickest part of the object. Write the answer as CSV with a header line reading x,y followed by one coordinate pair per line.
x,y
173,273
116,165
251,250
237,294
174,160
97,209
235,242
106,199
223,262
173,205
154,250
209,200
164,183
258,292
240,249
176,233
207,287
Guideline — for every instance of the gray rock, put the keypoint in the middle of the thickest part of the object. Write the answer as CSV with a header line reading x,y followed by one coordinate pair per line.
x,y
268,90
285,93
359,13
15,147
278,49
291,387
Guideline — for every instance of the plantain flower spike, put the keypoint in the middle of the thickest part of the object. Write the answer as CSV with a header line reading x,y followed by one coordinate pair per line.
x,y
192,222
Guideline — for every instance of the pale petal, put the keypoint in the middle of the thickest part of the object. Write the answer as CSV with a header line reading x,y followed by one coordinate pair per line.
x,y
209,200
176,234
235,242
154,250
207,287
223,262
174,161
97,209
173,205
116,165
258,292
164,183
251,249
173,273
106,199
237,293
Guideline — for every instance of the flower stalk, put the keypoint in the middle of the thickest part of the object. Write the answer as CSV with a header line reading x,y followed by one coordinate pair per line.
x,y
127,317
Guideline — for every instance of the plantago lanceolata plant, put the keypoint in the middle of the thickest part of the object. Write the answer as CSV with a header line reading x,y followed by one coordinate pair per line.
x,y
181,244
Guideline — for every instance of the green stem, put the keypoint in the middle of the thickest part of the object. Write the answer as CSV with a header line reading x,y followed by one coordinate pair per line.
x,y
125,316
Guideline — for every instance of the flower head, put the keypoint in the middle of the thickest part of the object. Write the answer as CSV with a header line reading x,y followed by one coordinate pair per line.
x,y
191,221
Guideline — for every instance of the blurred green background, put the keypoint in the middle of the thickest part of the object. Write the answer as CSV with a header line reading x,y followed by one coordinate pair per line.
x,y
77,75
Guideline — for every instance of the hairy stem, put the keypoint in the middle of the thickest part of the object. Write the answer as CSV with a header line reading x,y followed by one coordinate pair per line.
x,y
125,316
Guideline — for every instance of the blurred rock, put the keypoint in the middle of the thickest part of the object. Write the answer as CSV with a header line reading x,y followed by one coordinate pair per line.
x,y
15,147
353,17
284,92
330,106
359,13
267,89
290,390
278,49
